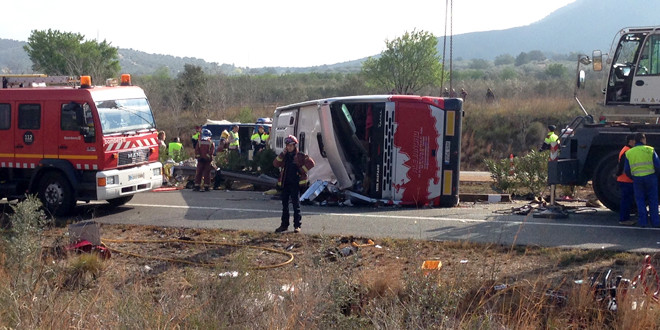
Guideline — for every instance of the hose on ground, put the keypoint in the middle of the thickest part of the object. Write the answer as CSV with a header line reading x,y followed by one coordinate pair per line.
x,y
137,255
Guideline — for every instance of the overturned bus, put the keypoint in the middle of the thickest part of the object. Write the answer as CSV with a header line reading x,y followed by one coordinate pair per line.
x,y
389,149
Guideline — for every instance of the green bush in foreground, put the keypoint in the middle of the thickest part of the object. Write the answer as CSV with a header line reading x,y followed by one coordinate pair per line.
x,y
527,173
23,242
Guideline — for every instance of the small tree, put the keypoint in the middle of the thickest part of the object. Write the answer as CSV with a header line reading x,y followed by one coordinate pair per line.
x,y
504,59
536,55
479,64
410,63
522,58
192,85
556,70
64,53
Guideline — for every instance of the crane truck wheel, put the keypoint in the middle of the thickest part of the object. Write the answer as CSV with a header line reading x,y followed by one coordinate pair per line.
x,y
119,201
604,181
56,194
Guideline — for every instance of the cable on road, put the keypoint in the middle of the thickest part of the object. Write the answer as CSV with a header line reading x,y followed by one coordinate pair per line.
x,y
137,255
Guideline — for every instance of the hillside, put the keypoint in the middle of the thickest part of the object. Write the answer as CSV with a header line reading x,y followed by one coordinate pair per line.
x,y
579,27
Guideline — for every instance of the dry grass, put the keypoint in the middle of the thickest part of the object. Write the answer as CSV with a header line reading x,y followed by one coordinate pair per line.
x,y
478,286
510,126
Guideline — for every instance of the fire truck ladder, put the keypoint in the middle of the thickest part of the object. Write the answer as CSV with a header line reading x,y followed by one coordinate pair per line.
x,y
35,80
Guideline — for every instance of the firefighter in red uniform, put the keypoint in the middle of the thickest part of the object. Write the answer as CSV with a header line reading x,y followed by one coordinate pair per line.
x,y
204,154
293,167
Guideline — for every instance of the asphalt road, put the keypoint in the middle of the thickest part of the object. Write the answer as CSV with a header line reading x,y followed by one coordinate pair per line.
x,y
471,222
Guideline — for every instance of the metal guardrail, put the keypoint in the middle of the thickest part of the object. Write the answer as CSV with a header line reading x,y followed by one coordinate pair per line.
x,y
261,180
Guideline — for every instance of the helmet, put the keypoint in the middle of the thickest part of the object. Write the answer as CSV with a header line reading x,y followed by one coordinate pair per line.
x,y
290,139
225,134
206,133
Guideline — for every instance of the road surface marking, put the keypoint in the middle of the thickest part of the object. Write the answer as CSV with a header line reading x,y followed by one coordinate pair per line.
x,y
407,217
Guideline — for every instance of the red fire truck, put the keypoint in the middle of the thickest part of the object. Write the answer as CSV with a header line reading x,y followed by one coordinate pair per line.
x,y
76,142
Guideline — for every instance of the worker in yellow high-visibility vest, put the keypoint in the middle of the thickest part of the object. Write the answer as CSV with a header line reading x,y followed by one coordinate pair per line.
x,y
259,139
195,137
642,165
175,149
234,142
549,138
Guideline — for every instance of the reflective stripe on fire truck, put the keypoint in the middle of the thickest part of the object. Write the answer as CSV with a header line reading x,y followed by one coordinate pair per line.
x,y
18,165
34,165
41,156
113,146
87,167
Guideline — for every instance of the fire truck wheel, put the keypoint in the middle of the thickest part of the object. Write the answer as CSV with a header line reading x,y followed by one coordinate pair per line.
x,y
56,194
604,181
120,200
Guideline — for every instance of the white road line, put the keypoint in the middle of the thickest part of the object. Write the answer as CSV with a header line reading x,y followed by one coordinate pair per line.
x,y
363,215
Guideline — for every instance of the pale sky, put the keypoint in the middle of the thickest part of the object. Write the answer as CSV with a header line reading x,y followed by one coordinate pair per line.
x,y
258,33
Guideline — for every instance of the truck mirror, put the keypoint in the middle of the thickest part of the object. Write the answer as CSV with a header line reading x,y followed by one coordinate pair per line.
x,y
597,60
581,79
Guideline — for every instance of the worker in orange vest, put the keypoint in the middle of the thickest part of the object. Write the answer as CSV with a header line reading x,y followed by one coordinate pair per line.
x,y
625,184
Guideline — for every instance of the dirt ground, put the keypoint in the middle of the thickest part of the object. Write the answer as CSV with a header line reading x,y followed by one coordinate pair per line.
x,y
166,254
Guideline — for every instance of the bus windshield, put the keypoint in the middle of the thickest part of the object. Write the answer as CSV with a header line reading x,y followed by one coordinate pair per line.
x,y
124,115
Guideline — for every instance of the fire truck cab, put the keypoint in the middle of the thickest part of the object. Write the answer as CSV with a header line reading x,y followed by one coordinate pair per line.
x,y
76,142
389,149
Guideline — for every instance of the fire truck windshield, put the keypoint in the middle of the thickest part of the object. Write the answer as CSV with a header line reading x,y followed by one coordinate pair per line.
x,y
119,116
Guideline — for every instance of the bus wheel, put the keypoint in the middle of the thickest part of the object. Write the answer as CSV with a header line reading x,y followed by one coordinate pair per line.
x,y
605,185
120,200
56,194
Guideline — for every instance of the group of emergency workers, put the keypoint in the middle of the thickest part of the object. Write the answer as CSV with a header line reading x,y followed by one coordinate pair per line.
x,y
637,176
205,149
293,164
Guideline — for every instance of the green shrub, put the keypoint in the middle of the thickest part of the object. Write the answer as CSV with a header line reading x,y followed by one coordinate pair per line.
x,y
230,161
503,179
179,155
529,172
263,163
25,272
23,241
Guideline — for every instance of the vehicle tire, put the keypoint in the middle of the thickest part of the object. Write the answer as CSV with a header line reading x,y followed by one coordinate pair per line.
x,y
120,200
56,194
604,181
